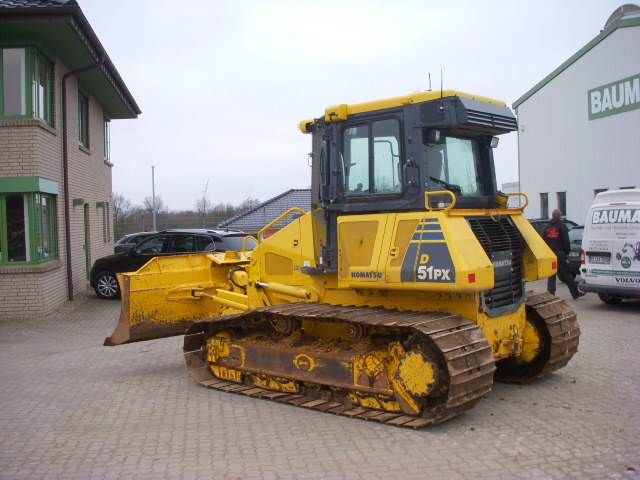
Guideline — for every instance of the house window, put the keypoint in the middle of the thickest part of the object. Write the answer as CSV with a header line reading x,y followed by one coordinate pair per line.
x,y
42,86
107,140
599,190
108,221
561,198
83,120
27,228
13,82
26,84
372,158
544,205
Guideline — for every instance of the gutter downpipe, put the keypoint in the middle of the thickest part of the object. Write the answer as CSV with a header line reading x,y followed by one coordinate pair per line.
x,y
65,171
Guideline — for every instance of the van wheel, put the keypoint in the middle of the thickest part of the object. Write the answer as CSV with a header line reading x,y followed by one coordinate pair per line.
x,y
608,299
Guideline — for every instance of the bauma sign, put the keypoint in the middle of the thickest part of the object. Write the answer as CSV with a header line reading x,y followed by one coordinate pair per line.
x,y
616,97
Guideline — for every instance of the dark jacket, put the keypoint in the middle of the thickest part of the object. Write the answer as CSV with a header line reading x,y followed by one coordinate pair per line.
x,y
557,237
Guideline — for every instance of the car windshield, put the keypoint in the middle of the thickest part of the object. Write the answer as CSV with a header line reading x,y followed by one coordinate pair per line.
x,y
454,164
238,243
124,239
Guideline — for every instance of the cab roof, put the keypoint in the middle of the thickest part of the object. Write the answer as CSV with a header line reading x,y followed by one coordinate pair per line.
x,y
342,111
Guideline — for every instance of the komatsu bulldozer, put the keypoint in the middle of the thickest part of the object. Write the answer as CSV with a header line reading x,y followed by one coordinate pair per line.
x,y
400,295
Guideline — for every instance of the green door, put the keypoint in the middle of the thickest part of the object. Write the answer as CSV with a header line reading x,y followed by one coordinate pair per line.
x,y
87,240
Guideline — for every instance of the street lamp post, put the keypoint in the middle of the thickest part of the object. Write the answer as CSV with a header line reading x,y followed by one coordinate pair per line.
x,y
153,197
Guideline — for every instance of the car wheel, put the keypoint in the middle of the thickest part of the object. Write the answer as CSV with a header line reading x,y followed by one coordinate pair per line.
x,y
107,285
608,299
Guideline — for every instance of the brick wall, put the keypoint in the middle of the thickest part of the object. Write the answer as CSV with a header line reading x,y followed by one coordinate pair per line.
x,y
31,148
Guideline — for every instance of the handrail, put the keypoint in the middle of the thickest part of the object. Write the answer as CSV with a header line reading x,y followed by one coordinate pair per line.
x,y
428,194
519,194
244,241
278,219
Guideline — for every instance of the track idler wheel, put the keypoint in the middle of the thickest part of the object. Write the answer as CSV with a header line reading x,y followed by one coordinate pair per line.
x,y
549,340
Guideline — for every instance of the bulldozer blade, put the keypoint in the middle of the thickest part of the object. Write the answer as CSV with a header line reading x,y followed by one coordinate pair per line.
x,y
167,295
139,329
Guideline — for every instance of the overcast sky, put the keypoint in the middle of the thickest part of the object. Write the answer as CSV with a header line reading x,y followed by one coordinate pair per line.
x,y
222,85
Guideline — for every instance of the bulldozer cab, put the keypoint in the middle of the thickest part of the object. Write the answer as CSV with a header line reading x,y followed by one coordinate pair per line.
x,y
384,156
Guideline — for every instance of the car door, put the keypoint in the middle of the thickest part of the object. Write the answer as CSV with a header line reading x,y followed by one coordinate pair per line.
x,y
181,243
206,243
146,250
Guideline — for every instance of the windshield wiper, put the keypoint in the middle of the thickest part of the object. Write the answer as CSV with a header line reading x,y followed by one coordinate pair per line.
x,y
449,186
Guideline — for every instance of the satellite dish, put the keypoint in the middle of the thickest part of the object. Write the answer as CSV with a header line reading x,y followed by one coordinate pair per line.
x,y
626,10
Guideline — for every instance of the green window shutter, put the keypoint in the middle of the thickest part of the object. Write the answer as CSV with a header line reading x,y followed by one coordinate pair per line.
x,y
3,231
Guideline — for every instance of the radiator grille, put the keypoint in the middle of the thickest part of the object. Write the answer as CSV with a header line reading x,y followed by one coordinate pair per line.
x,y
503,244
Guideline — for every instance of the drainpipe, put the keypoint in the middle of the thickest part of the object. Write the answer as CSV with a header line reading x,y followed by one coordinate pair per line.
x,y
65,171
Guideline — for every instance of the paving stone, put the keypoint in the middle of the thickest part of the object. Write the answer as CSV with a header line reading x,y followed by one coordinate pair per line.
x,y
71,408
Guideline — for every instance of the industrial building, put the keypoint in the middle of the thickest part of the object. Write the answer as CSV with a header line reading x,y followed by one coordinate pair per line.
x,y
59,91
579,126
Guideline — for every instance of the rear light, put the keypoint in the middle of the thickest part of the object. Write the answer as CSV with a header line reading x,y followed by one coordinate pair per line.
x,y
583,259
554,265
471,278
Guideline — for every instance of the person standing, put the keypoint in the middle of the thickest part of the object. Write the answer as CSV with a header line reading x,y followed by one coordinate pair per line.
x,y
557,237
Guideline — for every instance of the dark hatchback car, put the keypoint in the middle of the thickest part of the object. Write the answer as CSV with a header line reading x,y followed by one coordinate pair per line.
x,y
575,239
540,224
168,242
130,240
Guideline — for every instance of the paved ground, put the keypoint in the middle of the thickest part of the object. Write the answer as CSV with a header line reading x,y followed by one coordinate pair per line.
x,y
71,408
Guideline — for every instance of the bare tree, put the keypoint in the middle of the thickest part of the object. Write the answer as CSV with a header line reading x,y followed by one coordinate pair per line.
x,y
203,206
121,208
248,204
160,205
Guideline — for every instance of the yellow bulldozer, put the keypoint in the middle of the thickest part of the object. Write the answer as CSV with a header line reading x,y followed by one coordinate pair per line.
x,y
400,295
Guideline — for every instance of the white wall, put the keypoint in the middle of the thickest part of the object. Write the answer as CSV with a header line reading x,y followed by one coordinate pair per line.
x,y
560,149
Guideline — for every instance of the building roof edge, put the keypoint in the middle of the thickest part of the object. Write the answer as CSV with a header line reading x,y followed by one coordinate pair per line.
x,y
621,23
72,9
261,205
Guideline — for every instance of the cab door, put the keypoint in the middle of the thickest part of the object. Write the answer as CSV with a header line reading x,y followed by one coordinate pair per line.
x,y
363,245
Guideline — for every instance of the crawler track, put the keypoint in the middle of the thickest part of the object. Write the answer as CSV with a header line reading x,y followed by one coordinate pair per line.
x,y
466,356
561,334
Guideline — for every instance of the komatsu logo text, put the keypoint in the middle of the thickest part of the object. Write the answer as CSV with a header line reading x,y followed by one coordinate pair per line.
x,y
366,275
506,262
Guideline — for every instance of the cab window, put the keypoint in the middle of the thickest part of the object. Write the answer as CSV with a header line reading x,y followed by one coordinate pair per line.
x,y
454,164
371,158
356,160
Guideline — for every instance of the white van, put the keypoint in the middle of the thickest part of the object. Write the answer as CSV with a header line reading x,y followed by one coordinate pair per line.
x,y
610,253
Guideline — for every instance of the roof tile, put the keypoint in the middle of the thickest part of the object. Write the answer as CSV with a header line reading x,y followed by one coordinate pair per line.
x,y
33,3
256,218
